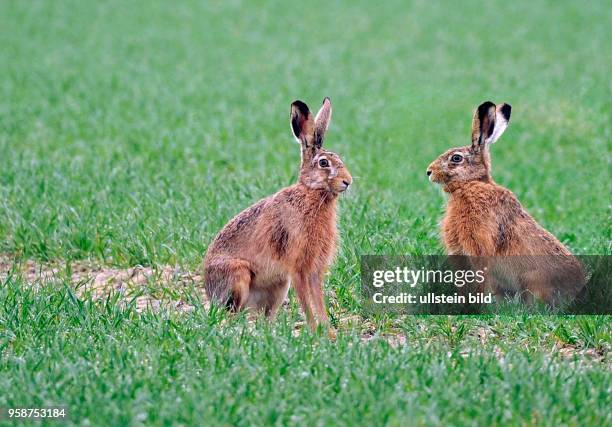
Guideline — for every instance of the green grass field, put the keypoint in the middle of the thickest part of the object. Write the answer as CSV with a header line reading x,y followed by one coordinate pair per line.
x,y
130,133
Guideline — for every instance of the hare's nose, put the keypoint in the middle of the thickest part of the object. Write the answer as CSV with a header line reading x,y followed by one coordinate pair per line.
x,y
428,172
346,183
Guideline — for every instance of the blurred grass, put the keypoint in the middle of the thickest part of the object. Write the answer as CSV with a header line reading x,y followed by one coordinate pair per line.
x,y
131,133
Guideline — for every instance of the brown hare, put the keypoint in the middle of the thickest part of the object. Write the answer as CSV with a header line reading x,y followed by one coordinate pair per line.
x,y
287,237
484,219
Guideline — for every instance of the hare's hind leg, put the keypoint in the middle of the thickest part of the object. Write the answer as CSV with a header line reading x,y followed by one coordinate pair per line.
x,y
267,298
275,297
537,287
228,283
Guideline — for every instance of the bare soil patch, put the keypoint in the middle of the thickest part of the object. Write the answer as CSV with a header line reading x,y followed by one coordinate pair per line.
x,y
151,287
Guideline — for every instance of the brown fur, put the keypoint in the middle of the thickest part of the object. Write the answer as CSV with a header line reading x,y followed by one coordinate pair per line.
x,y
484,219
287,237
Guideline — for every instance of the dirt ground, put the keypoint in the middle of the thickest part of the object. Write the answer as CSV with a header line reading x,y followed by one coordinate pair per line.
x,y
151,287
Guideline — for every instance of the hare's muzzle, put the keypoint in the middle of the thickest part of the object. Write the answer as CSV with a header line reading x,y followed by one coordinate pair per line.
x,y
430,175
343,180
433,171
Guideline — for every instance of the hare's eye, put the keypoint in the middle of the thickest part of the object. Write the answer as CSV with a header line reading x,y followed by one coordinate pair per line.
x,y
456,158
323,163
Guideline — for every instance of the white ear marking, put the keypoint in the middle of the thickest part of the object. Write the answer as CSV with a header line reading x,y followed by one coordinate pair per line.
x,y
502,118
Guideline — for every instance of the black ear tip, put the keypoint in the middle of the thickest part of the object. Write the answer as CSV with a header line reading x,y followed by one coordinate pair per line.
x,y
300,106
326,99
485,106
505,110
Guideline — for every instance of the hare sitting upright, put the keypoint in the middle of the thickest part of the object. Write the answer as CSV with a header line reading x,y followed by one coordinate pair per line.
x,y
484,219
287,237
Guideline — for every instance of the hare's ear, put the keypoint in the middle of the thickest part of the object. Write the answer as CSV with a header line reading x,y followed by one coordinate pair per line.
x,y
322,122
502,118
302,124
483,125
